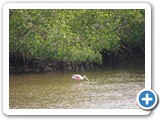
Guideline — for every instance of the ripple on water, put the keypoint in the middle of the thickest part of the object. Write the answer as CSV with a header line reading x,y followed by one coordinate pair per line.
x,y
105,90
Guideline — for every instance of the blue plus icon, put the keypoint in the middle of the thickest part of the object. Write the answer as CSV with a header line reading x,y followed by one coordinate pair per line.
x,y
147,99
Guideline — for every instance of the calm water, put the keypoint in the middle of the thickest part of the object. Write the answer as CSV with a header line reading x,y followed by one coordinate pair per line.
x,y
108,88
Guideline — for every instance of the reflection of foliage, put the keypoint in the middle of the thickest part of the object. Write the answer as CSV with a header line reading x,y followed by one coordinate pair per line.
x,y
74,35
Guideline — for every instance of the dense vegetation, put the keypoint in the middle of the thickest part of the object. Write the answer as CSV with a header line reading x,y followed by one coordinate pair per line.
x,y
73,39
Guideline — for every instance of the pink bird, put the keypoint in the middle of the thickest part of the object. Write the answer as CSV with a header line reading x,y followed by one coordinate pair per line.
x,y
79,77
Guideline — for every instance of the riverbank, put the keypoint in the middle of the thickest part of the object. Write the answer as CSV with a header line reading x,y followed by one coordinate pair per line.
x,y
45,65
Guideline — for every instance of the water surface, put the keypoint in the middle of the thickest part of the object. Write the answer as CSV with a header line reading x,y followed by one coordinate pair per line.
x,y
108,88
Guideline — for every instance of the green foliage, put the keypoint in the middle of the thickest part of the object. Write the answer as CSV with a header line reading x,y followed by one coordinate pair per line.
x,y
73,35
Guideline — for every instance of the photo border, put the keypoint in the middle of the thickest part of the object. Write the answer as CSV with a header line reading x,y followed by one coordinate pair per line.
x,y
8,6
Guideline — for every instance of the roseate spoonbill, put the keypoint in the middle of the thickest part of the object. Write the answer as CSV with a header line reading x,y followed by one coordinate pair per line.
x,y
79,77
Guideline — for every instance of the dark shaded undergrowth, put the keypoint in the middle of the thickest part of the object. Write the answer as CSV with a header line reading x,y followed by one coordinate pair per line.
x,y
19,64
